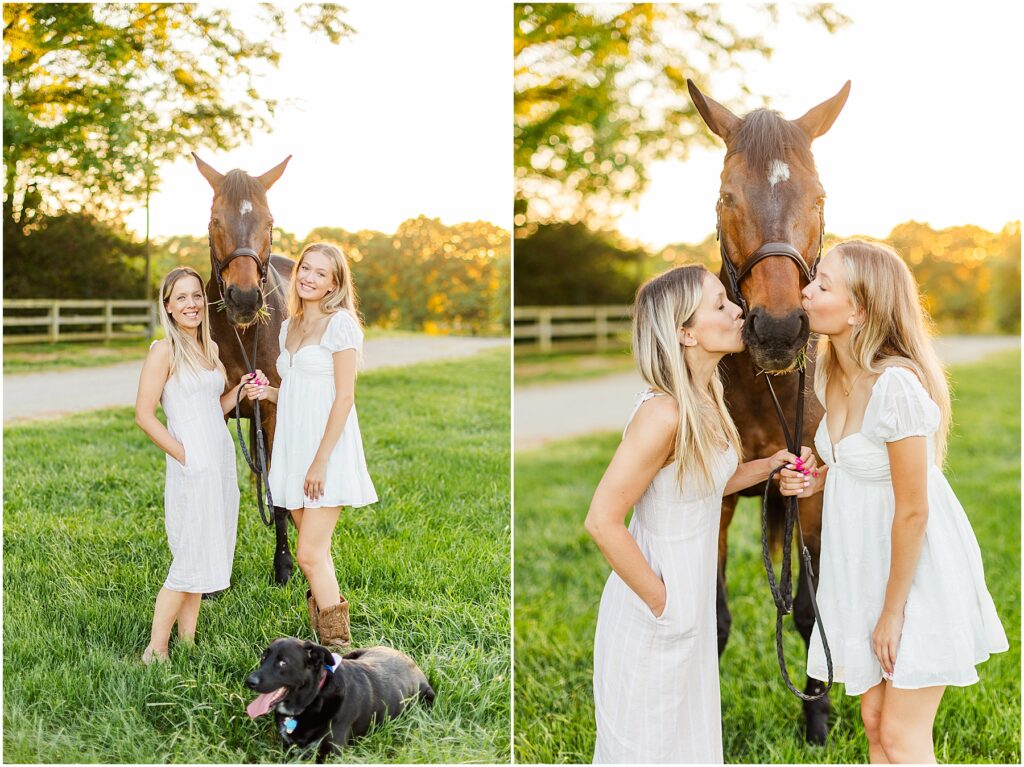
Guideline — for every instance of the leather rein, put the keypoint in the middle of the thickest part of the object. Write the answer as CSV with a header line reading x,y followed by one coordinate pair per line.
x,y
782,591
257,459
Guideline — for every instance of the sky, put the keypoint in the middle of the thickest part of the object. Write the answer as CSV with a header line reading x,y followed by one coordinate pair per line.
x,y
410,116
932,130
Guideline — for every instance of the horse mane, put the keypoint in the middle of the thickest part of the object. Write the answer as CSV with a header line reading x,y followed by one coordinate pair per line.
x,y
239,185
764,135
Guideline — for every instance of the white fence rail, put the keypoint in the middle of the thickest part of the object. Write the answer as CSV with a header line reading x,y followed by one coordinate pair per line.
x,y
112,318
545,324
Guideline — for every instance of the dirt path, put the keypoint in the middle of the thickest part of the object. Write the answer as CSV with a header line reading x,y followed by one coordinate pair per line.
x,y
544,413
50,395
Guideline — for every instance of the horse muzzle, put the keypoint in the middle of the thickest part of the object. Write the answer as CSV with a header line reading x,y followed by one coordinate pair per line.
x,y
774,343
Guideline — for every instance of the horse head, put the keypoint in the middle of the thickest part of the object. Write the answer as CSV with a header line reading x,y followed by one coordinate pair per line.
x,y
771,203
241,229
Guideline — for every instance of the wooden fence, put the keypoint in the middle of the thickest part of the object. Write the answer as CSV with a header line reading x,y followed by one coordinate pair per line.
x,y
545,324
113,318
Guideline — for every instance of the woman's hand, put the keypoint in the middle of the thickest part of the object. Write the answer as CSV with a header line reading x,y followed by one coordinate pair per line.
x,y
254,385
313,486
658,606
885,639
797,474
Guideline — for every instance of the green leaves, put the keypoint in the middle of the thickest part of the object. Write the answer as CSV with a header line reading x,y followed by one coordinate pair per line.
x,y
98,95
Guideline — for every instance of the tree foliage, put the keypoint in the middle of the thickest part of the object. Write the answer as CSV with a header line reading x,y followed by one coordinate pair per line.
x,y
97,95
425,276
600,92
570,264
72,256
969,278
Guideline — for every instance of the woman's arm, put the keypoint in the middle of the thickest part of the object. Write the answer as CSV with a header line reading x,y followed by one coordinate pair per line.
x,y
757,471
648,443
155,371
344,398
908,464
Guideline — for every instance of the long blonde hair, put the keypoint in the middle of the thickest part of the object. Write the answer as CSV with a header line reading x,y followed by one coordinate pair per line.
x,y
344,294
896,330
663,305
186,355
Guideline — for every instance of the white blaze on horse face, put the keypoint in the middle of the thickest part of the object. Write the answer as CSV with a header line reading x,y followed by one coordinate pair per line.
x,y
779,171
245,207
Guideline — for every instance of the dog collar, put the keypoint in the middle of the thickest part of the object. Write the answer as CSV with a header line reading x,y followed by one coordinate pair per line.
x,y
290,722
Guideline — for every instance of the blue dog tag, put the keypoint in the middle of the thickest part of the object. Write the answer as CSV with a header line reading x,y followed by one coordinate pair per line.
x,y
290,724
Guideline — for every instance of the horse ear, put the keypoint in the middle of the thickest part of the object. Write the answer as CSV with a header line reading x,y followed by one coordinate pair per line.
x,y
215,178
721,121
818,120
272,175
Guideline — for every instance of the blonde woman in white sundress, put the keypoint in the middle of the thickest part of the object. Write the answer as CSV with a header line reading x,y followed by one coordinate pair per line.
x,y
318,464
183,373
902,589
656,690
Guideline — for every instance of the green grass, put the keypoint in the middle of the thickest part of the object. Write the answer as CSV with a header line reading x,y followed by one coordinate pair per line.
x,y
34,358
426,570
537,369
67,355
560,574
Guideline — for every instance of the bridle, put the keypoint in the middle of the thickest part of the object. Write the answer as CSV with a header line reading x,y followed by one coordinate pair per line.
x,y
782,592
257,461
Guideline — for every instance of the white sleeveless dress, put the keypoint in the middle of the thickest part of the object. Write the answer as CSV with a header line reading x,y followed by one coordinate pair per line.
x,y
950,622
656,688
201,496
303,406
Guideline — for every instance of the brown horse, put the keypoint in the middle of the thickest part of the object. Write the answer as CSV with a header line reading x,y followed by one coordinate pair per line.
x,y
770,194
247,295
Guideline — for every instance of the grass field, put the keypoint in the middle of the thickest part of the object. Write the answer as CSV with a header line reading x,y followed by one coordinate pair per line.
x,y
426,570
560,574
66,355
533,368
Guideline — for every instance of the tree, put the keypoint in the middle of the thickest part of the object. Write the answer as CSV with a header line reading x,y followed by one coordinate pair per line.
x,y
574,265
97,95
600,92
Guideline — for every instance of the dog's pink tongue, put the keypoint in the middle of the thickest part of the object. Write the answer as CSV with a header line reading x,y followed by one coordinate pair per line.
x,y
262,704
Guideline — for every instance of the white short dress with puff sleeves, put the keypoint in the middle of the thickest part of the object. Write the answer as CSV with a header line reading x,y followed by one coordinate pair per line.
x,y
950,622
303,406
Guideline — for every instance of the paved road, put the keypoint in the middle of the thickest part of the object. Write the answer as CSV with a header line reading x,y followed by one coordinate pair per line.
x,y
543,413
50,395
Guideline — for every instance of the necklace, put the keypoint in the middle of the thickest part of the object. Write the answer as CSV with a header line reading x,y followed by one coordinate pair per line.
x,y
846,391
302,339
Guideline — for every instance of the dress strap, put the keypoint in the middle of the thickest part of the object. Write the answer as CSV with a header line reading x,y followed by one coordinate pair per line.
x,y
641,398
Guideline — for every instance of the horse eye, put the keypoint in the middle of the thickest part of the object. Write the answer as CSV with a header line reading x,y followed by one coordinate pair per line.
x,y
214,222
727,199
819,203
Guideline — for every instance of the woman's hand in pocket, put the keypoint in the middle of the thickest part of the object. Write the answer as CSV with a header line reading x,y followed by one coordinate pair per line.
x,y
657,607
179,454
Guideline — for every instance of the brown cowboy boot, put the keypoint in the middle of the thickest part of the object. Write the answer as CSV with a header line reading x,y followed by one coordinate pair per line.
x,y
333,624
311,603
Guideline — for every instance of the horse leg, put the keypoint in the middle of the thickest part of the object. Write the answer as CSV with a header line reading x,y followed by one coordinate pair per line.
x,y
283,563
816,712
722,601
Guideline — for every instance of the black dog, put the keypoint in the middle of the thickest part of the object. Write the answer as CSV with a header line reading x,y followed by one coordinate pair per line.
x,y
315,694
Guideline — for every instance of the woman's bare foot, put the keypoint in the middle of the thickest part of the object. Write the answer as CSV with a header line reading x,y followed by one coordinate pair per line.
x,y
153,655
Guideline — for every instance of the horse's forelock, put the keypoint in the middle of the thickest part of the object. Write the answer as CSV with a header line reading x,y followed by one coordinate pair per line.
x,y
764,136
239,186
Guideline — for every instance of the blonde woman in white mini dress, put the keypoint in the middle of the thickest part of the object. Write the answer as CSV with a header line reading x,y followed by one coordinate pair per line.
x,y
183,373
318,464
902,589
656,690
